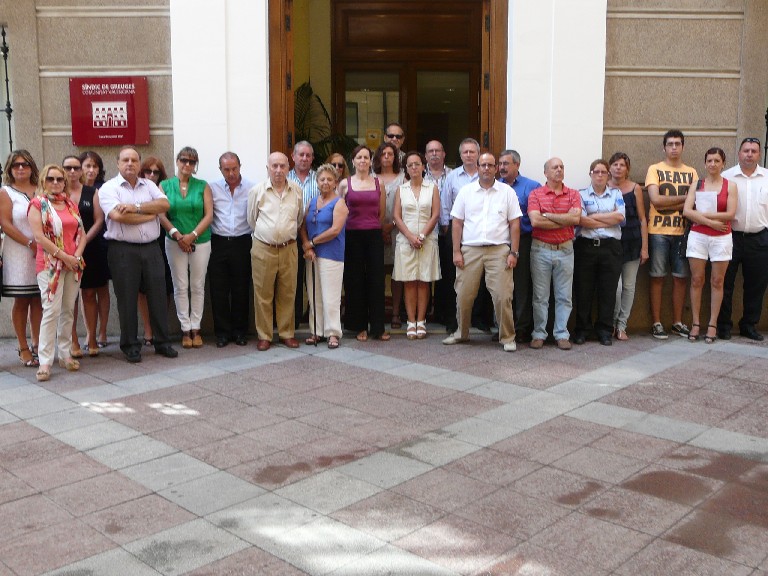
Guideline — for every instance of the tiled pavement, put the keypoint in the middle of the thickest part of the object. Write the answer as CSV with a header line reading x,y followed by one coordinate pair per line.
x,y
407,458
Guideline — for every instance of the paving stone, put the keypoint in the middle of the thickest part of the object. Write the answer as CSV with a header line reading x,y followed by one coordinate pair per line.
x,y
124,453
211,493
384,469
168,471
115,562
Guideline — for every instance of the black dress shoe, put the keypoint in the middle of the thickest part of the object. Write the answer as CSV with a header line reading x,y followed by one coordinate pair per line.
x,y
578,338
751,333
605,340
167,351
241,340
134,356
724,333
221,342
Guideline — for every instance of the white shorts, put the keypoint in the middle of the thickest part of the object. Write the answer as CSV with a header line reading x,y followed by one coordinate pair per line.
x,y
712,248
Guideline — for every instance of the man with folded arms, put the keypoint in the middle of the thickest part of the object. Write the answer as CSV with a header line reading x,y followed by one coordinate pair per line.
x,y
554,210
275,211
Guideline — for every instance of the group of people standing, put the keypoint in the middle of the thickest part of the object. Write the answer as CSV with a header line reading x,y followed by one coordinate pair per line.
x,y
490,237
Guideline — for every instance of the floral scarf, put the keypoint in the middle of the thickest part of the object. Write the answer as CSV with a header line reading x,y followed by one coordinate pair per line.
x,y
53,230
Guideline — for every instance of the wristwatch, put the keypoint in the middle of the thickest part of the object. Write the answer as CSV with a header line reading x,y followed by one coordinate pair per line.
x,y
515,253
138,207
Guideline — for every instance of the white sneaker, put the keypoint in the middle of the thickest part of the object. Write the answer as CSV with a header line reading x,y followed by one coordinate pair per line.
x,y
455,338
510,346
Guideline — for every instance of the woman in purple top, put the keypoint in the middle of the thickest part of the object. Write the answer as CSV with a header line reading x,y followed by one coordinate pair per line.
x,y
364,250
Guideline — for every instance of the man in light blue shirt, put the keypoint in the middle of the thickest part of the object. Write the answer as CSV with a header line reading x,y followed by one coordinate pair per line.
x,y
229,268
469,150
597,255
302,173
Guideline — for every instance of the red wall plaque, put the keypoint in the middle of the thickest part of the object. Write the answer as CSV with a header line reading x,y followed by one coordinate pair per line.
x,y
109,111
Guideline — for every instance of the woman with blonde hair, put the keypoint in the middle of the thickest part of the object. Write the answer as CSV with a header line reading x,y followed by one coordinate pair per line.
x,y
55,221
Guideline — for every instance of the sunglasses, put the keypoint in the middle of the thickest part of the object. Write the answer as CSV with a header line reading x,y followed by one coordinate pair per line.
x,y
56,179
72,168
188,161
396,136
20,165
337,164
751,141
152,172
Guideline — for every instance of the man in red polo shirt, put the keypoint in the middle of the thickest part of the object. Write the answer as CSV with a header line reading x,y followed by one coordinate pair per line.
x,y
554,209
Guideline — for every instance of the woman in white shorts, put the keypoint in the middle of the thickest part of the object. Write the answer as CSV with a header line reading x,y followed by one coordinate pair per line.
x,y
710,208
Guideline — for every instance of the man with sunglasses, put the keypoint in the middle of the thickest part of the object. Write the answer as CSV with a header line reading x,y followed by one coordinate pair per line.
x,y
750,243
229,268
395,135
303,155
131,205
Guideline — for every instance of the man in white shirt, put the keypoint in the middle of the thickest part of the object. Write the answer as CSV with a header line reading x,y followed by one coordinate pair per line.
x,y
486,236
750,242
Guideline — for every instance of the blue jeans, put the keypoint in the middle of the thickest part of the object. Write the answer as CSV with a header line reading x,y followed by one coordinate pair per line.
x,y
551,267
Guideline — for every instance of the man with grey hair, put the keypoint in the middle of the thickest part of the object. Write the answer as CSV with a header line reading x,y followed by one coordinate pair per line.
x,y
509,173
469,151
303,155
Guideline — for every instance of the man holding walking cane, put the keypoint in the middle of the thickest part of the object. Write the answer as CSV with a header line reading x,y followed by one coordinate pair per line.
x,y
322,236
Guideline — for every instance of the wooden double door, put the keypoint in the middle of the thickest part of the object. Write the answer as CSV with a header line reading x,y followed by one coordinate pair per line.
x,y
439,69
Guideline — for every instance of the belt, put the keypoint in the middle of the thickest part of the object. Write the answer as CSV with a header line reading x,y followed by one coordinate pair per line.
x,y
229,238
561,246
750,233
281,245
596,241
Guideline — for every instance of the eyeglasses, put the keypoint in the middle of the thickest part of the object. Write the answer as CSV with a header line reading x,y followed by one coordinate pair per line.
x,y
674,144
396,136
72,168
414,165
56,179
338,164
487,166
600,172
189,161
152,172
20,165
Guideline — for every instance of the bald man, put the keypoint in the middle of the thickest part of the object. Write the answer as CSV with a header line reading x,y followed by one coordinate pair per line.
x,y
275,211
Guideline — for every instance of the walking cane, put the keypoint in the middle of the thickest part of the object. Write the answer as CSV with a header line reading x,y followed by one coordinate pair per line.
x,y
314,303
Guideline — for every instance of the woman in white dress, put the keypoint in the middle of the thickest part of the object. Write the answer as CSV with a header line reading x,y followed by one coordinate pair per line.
x,y
417,263
20,177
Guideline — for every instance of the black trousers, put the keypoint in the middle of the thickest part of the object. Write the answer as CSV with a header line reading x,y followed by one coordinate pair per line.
x,y
750,251
597,268
137,267
229,279
523,290
364,281
445,292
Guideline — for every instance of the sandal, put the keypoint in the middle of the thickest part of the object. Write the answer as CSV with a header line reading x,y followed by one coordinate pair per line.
x,y
31,362
69,364
33,349
621,335
93,351
43,374
410,333
313,340
362,336
76,352
384,336
333,342
694,337
396,322
421,329
710,339
104,343
147,342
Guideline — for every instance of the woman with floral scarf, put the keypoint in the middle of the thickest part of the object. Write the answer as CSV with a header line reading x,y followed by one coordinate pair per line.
x,y
58,229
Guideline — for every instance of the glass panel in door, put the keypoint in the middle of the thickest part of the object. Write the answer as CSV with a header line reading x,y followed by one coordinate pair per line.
x,y
371,100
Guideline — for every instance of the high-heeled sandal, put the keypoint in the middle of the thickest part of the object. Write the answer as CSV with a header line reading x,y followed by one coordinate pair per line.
x,y
411,332
69,364
43,374
396,322
694,337
421,329
710,339
33,362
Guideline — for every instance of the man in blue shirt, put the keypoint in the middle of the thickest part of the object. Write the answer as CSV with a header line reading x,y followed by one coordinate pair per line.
x,y
509,173
302,173
229,268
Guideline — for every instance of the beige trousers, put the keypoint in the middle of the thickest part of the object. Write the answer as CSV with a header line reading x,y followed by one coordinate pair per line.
x,y
274,282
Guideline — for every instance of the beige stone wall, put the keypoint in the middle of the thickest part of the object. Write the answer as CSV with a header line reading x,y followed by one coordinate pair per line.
x,y
696,65
53,40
